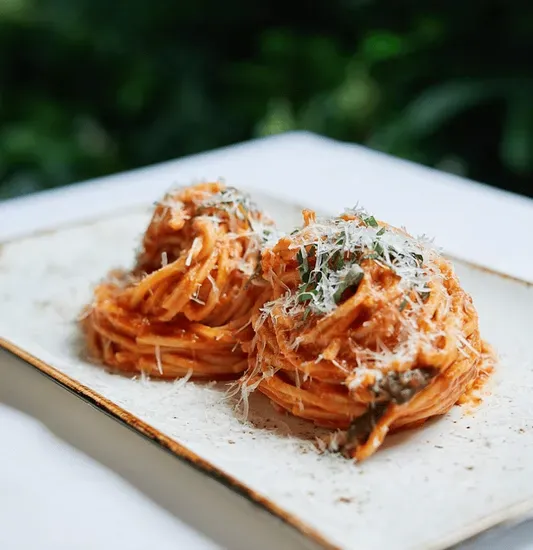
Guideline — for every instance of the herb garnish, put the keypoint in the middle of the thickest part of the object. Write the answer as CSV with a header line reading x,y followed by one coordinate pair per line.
x,y
395,388
371,221
361,427
347,272
352,279
401,387
330,256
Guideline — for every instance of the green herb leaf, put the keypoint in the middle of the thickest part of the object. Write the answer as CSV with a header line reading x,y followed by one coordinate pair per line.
x,y
306,296
306,292
380,232
301,256
371,221
403,304
337,261
303,266
378,248
418,257
352,279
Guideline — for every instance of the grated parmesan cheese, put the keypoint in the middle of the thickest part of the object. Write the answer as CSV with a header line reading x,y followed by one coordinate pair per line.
x,y
197,243
348,242
158,359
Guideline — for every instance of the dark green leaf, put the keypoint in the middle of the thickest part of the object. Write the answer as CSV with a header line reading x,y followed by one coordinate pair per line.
x,y
435,106
418,257
303,266
352,279
516,147
305,296
380,45
338,261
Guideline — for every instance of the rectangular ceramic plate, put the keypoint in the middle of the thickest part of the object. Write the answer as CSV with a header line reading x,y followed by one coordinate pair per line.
x,y
427,488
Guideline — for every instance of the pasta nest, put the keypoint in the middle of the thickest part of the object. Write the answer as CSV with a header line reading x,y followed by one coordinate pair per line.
x,y
363,328
187,302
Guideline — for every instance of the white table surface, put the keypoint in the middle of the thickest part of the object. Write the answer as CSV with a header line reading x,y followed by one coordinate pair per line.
x,y
71,478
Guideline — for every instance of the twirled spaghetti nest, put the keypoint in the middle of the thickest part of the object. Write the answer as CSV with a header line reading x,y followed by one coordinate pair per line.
x,y
362,328
183,307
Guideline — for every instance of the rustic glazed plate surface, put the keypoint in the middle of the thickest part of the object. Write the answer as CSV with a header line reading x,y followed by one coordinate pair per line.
x,y
428,488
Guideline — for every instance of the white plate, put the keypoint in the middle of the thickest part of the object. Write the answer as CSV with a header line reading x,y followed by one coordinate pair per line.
x,y
427,488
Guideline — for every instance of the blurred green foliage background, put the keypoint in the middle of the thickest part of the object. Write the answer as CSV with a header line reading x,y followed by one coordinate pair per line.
x,y
91,87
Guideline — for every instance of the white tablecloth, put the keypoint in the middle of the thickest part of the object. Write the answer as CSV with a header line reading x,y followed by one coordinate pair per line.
x,y
93,484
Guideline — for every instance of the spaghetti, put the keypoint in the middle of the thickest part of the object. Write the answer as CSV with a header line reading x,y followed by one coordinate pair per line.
x,y
362,328
187,302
